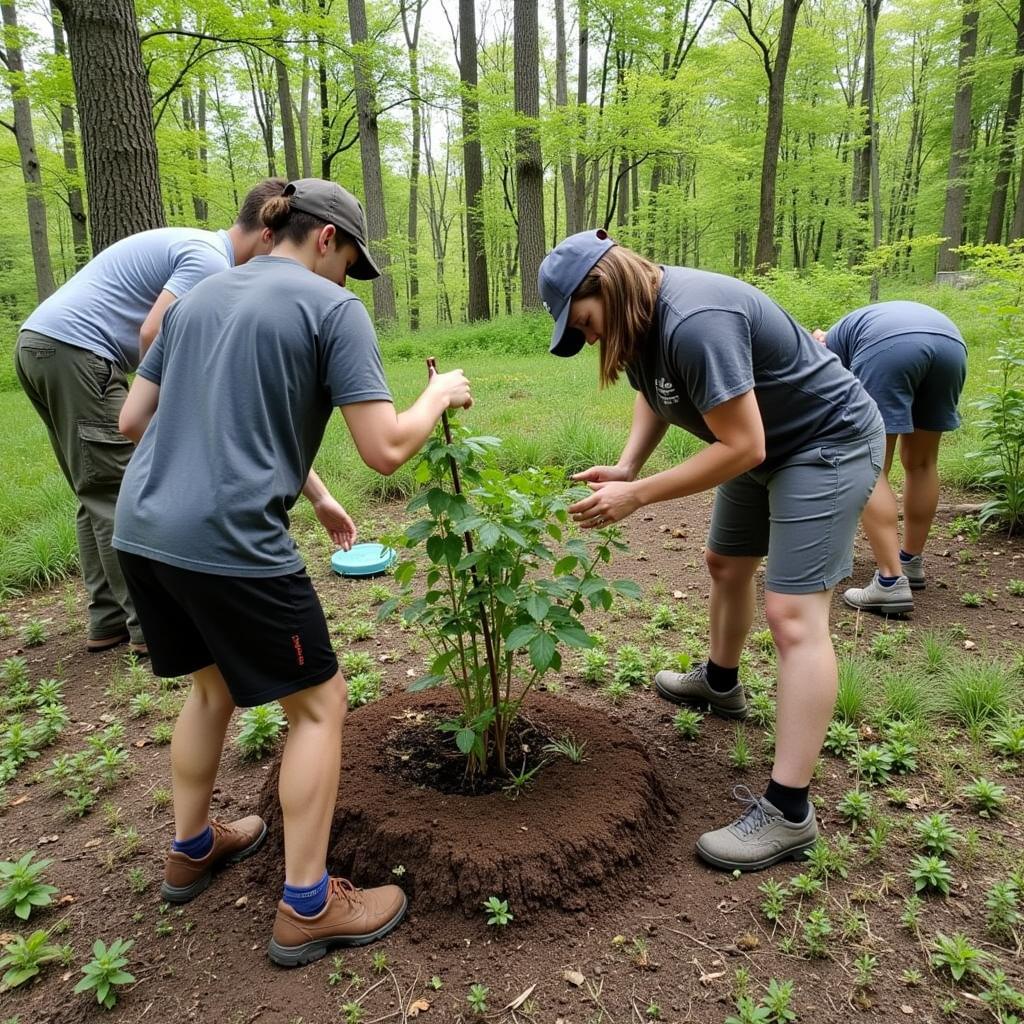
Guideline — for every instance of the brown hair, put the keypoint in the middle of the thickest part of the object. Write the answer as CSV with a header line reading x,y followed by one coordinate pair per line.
x,y
627,284
291,225
248,218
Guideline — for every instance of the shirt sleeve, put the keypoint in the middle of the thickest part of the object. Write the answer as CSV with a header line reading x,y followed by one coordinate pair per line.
x,y
709,353
193,261
836,341
351,368
152,366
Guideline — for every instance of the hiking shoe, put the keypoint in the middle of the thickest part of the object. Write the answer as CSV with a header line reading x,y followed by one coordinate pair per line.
x,y
759,837
914,571
894,600
351,917
185,878
692,688
99,644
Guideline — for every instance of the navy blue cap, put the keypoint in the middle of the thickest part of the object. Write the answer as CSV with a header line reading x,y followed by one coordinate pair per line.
x,y
561,273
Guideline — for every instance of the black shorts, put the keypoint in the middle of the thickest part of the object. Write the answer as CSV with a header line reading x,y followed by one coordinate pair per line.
x,y
267,635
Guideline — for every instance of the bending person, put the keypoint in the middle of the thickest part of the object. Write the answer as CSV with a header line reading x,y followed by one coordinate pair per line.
x,y
72,358
912,360
231,404
794,445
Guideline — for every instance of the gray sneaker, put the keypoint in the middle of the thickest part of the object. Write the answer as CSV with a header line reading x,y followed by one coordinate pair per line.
x,y
894,600
914,571
759,837
692,688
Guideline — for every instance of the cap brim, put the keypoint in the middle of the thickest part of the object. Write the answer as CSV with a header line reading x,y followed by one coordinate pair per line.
x,y
566,340
364,269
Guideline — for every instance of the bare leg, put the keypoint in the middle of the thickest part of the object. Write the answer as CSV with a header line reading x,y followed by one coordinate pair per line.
x,y
310,767
731,609
880,518
196,748
919,453
807,681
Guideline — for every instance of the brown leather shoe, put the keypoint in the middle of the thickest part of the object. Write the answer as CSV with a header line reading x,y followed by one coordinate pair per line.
x,y
99,644
352,917
185,878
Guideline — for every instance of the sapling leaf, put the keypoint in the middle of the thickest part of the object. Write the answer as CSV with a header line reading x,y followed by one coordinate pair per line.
x,y
426,682
542,651
537,607
521,636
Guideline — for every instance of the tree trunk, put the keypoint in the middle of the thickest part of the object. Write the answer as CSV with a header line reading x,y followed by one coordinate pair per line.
x,y
561,102
76,204
284,97
866,152
997,208
121,169
478,307
203,206
307,156
412,38
959,158
766,255
26,140
369,152
529,163
579,214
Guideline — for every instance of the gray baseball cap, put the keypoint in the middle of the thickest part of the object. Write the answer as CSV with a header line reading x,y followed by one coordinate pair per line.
x,y
560,274
330,202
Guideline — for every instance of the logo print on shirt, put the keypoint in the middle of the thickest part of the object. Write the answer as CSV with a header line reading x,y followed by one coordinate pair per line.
x,y
666,391
300,657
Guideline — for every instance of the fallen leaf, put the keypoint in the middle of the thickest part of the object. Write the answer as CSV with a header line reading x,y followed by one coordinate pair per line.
x,y
969,645
140,743
748,941
573,977
706,979
45,840
65,900
66,976
417,1007
908,1010
521,998
18,801
93,843
241,901
680,534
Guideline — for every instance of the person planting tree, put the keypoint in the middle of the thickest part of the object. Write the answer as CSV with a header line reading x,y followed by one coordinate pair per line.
x,y
229,409
794,446
912,360
72,358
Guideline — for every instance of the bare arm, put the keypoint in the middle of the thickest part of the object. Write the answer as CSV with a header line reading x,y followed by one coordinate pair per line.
x,y
334,519
154,318
138,409
645,434
385,439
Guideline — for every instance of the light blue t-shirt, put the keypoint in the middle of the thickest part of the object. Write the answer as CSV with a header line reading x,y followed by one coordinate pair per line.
x,y
250,365
857,332
103,307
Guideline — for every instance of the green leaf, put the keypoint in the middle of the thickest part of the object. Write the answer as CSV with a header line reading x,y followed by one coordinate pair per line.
x,y
627,588
565,565
465,740
468,561
440,664
435,548
574,636
421,530
18,975
489,535
505,594
387,608
426,682
452,549
542,651
537,607
405,572
438,501
520,636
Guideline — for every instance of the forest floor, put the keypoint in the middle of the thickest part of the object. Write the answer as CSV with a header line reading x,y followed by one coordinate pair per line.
x,y
661,937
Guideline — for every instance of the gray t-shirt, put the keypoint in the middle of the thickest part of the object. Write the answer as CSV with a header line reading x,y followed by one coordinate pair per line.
x,y
102,308
250,365
853,337
714,338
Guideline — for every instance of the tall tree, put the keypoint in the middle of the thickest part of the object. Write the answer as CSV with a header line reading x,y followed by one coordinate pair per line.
x,y
384,308
26,139
865,155
582,82
997,206
529,163
414,9
776,67
960,142
121,170
478,307
69,151
284,93
561,102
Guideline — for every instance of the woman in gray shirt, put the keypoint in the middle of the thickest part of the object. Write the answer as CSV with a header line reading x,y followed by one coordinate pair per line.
x,y
794,448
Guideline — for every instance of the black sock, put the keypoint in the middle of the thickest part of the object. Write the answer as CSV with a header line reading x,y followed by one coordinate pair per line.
x,y
791,800
722,680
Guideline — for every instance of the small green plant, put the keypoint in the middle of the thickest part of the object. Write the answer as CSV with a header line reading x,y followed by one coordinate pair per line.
x,y
379,962
931,872
364,687
353,1012
160,798
261,727
739,755
778,1000
971,600
911,977
48,691
106,971
865,966
749,1012
855,807
111,765
34,633
497,911
663,617
616,690
53,719
14,672
841,738
1003,1000
162,734
805,884
1007,738
519,782
902,755
569,747
1002,903
630,666
886,643
653,1011
435,983
852,695
477,998
354,663
21,890
817,928
1015,588
936,835
686,723
24,957
142,704
137,880
595,666
955,954
79,799
774,903
873,764
911,916
988,797
978,692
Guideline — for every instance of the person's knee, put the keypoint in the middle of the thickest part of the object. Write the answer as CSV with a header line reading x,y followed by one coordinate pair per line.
x,y
726,570
919,458
792,622
325,704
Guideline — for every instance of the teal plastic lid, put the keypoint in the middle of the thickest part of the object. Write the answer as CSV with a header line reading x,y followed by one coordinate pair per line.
x,y
363,560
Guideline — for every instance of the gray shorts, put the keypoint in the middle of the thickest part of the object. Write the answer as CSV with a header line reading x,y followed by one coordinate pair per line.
x,y
916,381
802,514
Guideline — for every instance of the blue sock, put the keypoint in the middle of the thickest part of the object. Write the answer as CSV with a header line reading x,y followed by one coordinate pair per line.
x,y
306,899
904,557
887,581
197,847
